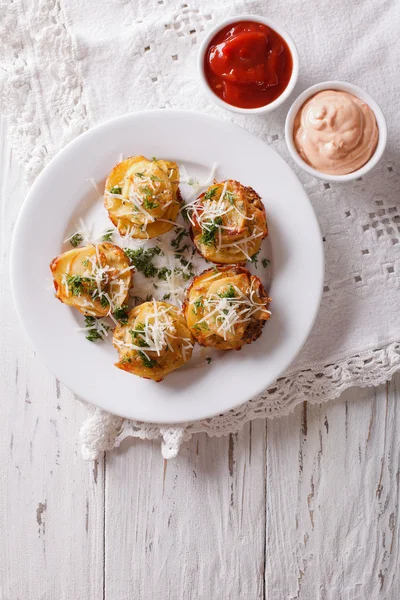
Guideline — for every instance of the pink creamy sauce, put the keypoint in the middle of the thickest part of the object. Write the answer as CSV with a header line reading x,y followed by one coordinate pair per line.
x,y
335,132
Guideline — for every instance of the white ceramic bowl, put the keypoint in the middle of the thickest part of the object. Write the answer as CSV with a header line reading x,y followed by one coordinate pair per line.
x,y
292,81
356,91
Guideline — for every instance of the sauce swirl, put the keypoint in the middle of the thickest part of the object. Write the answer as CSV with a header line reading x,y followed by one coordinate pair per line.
x,y
248,64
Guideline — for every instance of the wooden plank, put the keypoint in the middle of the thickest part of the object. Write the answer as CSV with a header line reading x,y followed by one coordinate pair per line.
x,y
333,499
51,505
189,528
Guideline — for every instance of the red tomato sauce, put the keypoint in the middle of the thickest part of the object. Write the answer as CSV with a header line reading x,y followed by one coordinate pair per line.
x,y
248,64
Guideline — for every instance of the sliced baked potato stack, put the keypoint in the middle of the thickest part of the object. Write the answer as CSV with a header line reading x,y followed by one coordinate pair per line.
x,y
142,196
226,307
154,341
228,223
94,279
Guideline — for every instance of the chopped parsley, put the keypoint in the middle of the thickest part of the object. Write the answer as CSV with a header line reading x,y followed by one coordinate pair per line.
x,y
163,272
104,302
150,204
230,196
200,326
166,296
154,178
85,262
107,236
176,242
184,211
140,175
229,293
76,239
198,304
210,193
265,262
142,259
116,190
121,313
254,259
137,337
94,333
187,275
147,362
154,158
208,359
208,235
76,284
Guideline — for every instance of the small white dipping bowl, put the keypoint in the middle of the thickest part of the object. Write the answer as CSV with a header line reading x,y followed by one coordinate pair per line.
x,y
292,81
351,89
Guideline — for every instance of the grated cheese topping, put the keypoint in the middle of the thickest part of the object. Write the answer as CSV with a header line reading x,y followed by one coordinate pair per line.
x,y
229,312
157,333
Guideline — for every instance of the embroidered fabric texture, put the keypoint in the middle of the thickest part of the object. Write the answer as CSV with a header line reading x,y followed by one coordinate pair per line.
x,y
59,78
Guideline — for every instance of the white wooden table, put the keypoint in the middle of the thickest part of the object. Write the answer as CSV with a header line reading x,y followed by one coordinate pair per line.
x,y
301,507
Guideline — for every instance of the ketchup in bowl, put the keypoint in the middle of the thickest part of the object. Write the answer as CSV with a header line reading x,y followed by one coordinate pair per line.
x,y
248,64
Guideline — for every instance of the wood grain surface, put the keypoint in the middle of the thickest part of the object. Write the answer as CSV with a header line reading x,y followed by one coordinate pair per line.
x,y
304,507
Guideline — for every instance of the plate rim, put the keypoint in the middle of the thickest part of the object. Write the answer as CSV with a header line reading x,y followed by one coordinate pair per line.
x,y
59,157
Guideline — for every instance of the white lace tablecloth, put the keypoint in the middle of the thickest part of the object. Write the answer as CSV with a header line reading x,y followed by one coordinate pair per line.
x,y
68,64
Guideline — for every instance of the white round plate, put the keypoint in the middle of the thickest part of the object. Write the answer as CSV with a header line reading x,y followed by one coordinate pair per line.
x,y
196,141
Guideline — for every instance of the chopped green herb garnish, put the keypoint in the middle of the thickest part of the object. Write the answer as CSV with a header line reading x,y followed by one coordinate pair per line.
x,y
76,239
140,175
198,304
154,158
149,204
137,337
94,334
121,313
147,362
208,359
200,326
166,296
116,190
90,321
208,235
230,196
184,211
85,262
210,193
107,236
146,191
229,293
254,259
154,178
104,302
141,259
76,284
186,275
163,272
175,243
265,262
